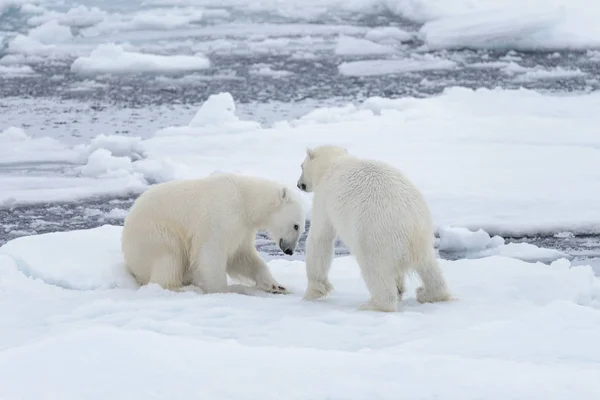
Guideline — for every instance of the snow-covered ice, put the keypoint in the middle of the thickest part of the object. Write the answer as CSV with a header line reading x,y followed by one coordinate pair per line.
x,y
510,162
110,97
557,73
215,116
394,66
526,25
111,58
351,46
479,244
458,239
75,324
17,147
8,70
267,70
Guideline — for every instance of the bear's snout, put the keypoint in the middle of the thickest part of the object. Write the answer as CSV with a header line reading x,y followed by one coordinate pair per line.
x,y
286,250
301,186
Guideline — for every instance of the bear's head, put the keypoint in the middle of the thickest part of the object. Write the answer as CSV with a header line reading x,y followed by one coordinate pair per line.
x,y
287,222
315,164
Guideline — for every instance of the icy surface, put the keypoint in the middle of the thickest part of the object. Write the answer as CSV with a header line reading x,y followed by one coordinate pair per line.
x,y
79,312
489,159
100,99
394,66
114,59
349,46
15,70
478,244
530,24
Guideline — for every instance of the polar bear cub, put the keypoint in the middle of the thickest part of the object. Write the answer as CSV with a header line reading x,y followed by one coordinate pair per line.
x,y
382,218
196,232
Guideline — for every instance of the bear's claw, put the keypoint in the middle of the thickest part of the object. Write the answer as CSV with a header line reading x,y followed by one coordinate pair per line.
x,y
277,289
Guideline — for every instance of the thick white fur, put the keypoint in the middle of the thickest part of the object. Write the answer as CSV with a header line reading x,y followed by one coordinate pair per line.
x,y
195,232
383,219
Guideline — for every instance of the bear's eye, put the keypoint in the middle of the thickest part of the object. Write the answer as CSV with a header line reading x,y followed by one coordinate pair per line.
x,y
296,227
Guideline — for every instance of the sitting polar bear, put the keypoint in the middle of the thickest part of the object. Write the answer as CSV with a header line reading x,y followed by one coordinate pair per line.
x,y
195,232
382,218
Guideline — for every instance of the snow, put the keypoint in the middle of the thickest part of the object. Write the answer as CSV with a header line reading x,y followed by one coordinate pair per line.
x,y
267,70
215,116
389,34
120,146
394,66
111,58
23,70
491,24
69,253
101,163
458,239
26,45
556,73
351,46
70,311
484,159
479,244
17,147
50,33
521,251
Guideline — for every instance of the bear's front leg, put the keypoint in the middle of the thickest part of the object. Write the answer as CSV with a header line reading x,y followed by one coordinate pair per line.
x,y
319,255
248,263
209,272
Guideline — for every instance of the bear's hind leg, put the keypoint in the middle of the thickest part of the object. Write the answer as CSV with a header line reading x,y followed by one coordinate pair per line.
x,y
380,278
434,285
167,272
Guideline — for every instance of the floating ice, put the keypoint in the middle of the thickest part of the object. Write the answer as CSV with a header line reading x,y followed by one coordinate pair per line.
x,y
389,34
458,239
481,157
51,33
526,25
351,46
394,66
216,115
111,58
23,70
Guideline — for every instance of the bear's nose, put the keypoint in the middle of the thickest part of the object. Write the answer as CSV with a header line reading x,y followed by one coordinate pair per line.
x,y
302,186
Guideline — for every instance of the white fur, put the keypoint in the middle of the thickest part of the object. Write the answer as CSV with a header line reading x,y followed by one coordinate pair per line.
x,y
382,218
195,232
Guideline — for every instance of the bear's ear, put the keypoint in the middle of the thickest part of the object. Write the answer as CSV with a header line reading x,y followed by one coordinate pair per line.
x,y
283,194
310,153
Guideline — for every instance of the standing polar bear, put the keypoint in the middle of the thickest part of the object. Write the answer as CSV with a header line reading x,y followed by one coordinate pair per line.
x,y
382,218
195,232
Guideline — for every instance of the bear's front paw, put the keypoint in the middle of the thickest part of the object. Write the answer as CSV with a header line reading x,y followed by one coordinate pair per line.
x,y
371,306
277,289
425,296
316,290
272,287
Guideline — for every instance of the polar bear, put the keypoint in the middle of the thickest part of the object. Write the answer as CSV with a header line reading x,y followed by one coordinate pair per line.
x,y
382,218
190,234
